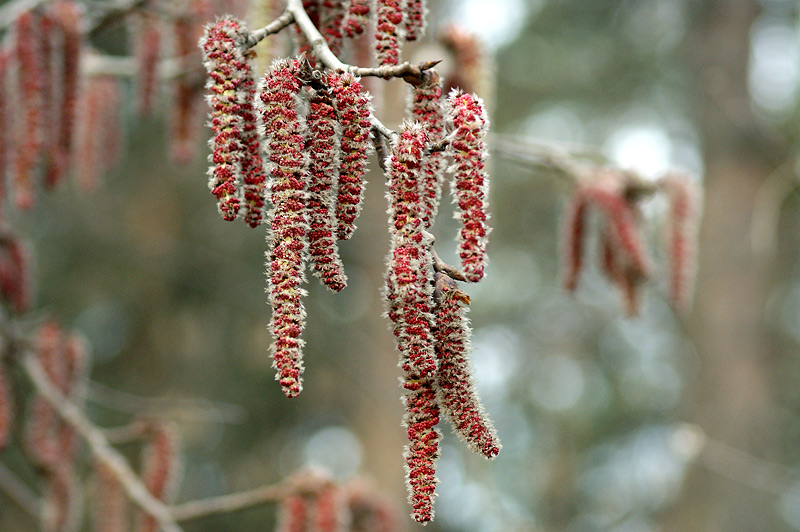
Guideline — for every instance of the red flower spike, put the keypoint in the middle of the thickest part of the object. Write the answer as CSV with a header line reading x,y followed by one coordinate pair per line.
x,y
410,305
680,234
329,514
161,466
471,68
332,13
416,13
293,514
456,392
227,70
6,408
98,144
322,145
109,502
389,16
30,132
15,275
616,265
607,194
147,35
42,440
67,16
420,420
184,124
471,182
356,20
573,234
7,125
426,107
62,500
353,108
288,223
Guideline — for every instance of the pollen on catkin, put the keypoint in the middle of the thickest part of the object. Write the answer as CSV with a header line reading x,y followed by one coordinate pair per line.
x,y
287,240
353,108
227,69
470,179
322,146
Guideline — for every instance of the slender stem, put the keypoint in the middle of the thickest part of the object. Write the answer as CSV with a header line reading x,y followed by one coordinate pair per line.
x,y
98,445
226,503
19,492
275,26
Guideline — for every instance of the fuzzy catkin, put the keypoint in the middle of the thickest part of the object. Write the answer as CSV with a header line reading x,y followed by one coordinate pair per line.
x,y
389,16
287,240
322,146
470,180
456,391
353,108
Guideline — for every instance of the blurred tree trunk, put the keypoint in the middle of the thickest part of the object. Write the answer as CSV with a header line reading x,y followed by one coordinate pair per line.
x,y
731,397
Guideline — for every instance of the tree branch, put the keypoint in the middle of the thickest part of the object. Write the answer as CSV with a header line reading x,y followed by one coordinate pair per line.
x,y
227,503
98,445
256,36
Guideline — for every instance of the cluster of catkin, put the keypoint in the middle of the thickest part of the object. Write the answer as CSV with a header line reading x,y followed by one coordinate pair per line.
x,y
291,153
622,254
311,502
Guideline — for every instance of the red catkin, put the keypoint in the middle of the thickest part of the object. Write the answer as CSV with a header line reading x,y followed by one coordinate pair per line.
x,y
185,102
426,106
31,90
288,234
332,13
99,142
574,236
416,13
110,502
680,235
329,513
161,467
409,294
6,123
322,147
456,392
353,108
387,33
62,500
226,68
370,511
293,514
356,20
15,275
67,17
471,181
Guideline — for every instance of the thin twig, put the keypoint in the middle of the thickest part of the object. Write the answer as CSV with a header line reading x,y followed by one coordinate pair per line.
x,y
254,37
227,503
441,266
18,492
98,445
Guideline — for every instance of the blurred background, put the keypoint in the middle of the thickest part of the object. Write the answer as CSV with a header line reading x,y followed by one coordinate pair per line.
x,y
665,422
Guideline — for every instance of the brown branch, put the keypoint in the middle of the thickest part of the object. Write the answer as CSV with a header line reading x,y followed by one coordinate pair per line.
x,y
227,503
98,445
441,266
256,36
18,492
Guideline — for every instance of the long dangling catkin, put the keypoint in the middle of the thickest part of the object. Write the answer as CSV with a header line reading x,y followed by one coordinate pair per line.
x,y
15,275
680,235
332,13
67,16
456,392
471,181
7,120
322,147
31,90
416,14
147,34
329,513
161,467
62,501
410,307
185,99
353,108
426,106
293,514
99,142
227,70
288,235
387,32
574,236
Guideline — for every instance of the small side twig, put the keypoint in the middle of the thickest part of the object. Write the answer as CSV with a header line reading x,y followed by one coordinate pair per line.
x,y
256,36
441,266
226,503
